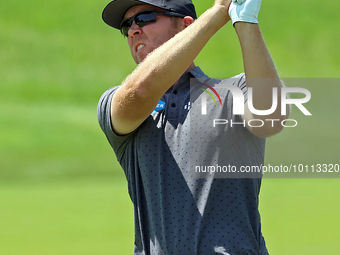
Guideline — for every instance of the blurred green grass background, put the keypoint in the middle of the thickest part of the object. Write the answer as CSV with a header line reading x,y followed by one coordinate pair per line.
x,y
61,189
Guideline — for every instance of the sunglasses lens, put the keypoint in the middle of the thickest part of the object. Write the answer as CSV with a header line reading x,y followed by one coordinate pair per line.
x,y
124,29
145,18
141,20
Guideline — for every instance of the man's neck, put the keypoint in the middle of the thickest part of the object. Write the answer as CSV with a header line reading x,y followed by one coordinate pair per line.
x,y
192,66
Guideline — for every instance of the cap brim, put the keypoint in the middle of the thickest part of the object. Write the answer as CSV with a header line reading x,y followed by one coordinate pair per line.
x,y
114,12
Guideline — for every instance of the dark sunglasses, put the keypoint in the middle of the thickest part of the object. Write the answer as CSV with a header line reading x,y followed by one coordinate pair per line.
x,y
144,18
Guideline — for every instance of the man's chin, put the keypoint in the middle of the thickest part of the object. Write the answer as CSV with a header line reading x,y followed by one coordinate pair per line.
x,y
140,59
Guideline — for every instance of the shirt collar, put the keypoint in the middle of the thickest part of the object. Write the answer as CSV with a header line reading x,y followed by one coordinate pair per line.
x,y
198,73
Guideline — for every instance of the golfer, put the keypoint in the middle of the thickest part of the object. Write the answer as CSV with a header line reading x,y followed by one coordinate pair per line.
x,y
147,122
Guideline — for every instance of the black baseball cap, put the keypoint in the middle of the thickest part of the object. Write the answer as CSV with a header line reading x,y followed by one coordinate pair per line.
x,y
114,12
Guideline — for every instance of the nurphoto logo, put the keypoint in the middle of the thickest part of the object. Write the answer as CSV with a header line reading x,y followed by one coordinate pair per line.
x,y
239,103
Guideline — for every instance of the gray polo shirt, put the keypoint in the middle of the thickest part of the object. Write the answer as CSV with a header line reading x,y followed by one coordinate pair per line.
x,y
176,213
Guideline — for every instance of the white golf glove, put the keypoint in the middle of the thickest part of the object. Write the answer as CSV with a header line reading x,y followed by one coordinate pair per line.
x,y
244,10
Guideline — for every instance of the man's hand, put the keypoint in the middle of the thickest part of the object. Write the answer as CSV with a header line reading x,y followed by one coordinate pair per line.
x,y
224,4
239,1
244,10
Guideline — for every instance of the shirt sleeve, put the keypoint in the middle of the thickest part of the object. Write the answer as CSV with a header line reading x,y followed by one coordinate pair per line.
x,y
119,143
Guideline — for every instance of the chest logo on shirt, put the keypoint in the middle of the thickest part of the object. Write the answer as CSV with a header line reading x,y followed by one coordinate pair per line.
x,y
160,106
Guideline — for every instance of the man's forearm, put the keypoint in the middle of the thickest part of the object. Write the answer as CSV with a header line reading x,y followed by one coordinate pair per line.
x,y
257,60
163,67
261,75
140,92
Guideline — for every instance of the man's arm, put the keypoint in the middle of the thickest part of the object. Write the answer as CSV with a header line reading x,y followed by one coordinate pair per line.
x,y
140,92
260,71
261,76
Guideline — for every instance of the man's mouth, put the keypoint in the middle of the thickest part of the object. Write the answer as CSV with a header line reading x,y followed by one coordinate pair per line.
x,y
139,47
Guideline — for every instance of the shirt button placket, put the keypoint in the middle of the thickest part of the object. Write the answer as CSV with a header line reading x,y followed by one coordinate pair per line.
x,y
173,103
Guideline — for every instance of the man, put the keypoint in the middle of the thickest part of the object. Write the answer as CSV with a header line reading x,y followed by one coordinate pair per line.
x,y
147,123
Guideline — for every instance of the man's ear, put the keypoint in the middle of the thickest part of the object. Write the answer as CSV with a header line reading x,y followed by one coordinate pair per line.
x,y
188,21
